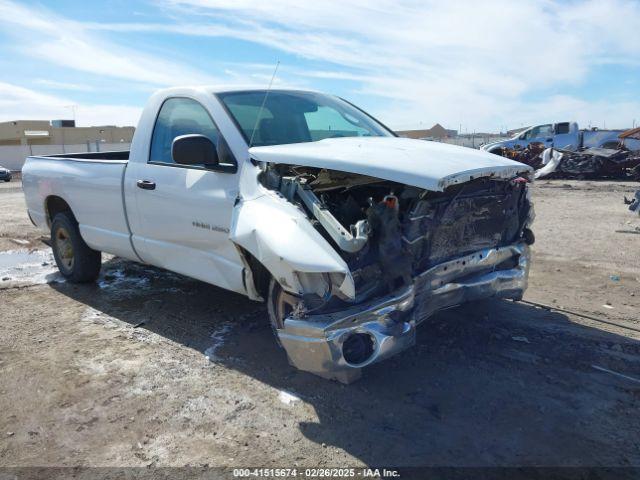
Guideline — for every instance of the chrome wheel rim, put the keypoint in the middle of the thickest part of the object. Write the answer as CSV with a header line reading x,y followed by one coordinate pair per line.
x,y
64,247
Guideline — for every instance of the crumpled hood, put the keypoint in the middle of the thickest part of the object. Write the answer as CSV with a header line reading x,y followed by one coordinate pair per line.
x,y
429,165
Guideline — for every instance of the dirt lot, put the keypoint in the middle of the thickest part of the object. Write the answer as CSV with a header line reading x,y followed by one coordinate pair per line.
x,y
149,368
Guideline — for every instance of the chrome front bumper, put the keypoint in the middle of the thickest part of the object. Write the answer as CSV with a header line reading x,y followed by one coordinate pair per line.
x,y
315,343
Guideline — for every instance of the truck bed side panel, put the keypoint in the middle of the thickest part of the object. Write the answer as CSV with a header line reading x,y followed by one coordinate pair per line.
x,y
93,190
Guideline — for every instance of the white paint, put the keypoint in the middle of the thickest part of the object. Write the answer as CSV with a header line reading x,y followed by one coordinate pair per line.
x,y
429,165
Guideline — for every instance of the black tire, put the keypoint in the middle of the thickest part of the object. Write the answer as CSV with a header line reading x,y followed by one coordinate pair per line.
x,y
7,179
76,261
279,305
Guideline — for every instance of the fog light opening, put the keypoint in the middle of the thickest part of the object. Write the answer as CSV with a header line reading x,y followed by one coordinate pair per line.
x,y
358,348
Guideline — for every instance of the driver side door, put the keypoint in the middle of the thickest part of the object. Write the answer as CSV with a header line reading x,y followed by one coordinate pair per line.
x,y
184,211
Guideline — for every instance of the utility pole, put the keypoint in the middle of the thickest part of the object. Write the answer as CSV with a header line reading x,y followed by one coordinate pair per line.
x,y
73,111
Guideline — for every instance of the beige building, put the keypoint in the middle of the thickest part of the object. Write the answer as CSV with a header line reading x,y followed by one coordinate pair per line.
x,y
60,132
435,132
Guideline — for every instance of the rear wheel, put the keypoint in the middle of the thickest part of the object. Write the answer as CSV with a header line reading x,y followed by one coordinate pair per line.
x,y
77,262
280,305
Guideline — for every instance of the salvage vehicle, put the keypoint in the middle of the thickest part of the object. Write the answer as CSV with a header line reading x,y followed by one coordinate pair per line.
x,y
566,135
5,174
351,235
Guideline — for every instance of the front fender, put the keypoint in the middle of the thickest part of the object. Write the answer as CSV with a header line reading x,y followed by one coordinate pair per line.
x,y
280,236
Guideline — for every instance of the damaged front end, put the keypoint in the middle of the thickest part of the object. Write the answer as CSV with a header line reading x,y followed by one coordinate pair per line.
x,y
409,252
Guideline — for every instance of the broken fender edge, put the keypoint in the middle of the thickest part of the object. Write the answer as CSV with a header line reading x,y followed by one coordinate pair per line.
x,y
281,238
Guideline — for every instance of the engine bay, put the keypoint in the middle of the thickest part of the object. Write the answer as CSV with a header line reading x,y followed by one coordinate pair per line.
x,y
388,232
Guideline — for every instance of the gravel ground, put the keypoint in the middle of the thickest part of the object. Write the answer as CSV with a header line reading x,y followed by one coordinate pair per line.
x,y
150,368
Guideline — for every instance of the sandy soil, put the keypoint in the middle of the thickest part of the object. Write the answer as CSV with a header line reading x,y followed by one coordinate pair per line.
x,y
150,368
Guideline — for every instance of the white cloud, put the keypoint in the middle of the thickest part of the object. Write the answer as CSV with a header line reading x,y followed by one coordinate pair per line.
x,y
43,35
480,64
55,85
19,103
468,62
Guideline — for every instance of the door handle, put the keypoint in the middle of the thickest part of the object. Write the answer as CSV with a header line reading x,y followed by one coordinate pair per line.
x,y
146,184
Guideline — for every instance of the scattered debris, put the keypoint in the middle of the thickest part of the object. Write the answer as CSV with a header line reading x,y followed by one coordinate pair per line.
x,y
19,241
590,163
138,325
631,138
615,278
531,155
606,370
610,307
521,339
634,203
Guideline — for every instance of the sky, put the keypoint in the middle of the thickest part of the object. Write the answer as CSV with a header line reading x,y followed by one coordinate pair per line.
x,y
469,65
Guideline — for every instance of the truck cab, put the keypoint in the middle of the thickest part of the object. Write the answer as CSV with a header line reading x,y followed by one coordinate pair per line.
x,y
558,135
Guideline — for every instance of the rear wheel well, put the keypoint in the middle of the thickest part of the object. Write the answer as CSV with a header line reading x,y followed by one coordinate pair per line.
x,y
54,205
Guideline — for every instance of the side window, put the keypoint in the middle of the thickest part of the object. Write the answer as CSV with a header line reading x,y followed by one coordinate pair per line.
x,y
562,128
179,116
542,131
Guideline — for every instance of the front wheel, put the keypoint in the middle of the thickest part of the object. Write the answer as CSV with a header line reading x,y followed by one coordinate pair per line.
x,y
77,262
280,305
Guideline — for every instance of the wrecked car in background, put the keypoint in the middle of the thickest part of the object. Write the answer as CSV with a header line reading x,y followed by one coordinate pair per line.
x,y
586,163
351,235
590,163
566,135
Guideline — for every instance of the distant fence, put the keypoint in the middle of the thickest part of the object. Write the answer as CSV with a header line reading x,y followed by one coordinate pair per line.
x,y
13,156
473,141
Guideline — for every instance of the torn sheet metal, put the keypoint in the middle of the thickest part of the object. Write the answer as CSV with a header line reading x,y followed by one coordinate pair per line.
x,y
281,238
550,159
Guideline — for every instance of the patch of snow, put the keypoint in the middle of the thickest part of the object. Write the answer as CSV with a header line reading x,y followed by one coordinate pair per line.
x,y
28,267
218,336
288,398
118,279
91,314
131,279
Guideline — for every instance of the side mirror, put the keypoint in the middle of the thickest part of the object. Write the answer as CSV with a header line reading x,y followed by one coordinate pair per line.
x,y
194,149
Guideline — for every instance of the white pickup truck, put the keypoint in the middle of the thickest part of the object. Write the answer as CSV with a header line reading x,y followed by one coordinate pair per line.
x,y
351,235
565,135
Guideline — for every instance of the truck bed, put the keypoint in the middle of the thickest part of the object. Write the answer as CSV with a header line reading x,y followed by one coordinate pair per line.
x,y
94,156
92,185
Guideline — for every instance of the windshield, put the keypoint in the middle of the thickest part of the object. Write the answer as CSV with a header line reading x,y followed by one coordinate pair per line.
x,y
296,117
